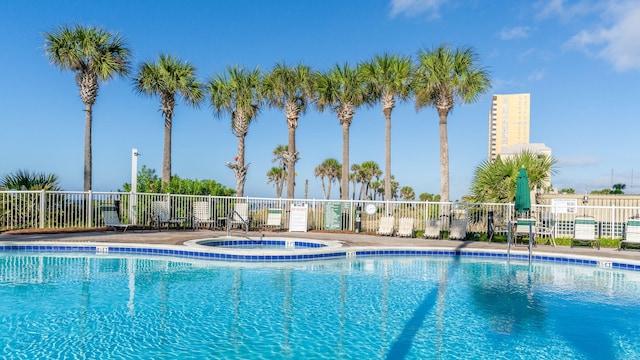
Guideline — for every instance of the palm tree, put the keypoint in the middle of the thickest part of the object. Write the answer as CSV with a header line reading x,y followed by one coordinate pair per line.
x,y
95,55
290,89
167,78
388,77
277,176
26,180
279,154
444,76
330,169
343,90
368,171
355,177
237,93
495,181
407,193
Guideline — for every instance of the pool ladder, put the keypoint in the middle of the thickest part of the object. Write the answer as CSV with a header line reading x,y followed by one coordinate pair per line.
x,y
530,241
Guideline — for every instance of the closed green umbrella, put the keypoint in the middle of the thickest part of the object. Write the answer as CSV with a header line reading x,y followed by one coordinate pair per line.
x,y
523,195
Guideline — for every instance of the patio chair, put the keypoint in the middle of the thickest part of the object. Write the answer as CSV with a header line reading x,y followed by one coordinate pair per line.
x,y
162,216
432,229
584,231
523,227
202,215
239,216
274,219
111,219
632,234
385,227
405,227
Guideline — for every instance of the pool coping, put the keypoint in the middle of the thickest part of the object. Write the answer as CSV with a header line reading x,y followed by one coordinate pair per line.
x,y
256,256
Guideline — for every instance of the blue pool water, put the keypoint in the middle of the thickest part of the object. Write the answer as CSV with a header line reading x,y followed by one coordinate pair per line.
x,y
91,306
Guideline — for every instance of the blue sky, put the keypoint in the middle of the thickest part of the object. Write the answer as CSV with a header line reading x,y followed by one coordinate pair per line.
x,y
580,60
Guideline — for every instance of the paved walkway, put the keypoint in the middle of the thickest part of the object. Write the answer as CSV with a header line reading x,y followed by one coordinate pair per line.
x,y
174,237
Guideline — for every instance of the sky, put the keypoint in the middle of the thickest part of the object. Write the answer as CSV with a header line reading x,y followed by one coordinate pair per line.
x,y
579,60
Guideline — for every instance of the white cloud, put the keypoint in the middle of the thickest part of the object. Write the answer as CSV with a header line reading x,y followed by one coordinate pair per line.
x,y
577,161
415,7
537,75
520,32
615,36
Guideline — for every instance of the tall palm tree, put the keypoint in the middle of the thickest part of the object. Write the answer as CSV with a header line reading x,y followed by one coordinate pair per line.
x,y
342,89
330,169
166,78
95,55
290,89
444,76
237,93
388,77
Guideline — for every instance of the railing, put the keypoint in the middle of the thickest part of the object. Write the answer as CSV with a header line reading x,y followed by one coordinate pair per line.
x,y
65,209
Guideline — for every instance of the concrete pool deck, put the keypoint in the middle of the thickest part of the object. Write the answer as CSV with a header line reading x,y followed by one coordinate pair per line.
x,y
174,237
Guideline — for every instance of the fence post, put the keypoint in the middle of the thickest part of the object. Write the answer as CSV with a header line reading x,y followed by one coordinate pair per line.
x,y
89,222
43,207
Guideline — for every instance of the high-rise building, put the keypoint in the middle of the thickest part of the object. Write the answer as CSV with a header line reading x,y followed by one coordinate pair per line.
x,y
509,121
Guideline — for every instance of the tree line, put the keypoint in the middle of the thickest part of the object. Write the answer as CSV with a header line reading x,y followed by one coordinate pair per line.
x,y
439,77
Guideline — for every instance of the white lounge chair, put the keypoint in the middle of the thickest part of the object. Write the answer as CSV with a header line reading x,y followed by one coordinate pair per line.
x,y
632,234
274,219
111,220
239,216
162,216
524,226
458,229
385,227
202,215
584,231
405,227
432,229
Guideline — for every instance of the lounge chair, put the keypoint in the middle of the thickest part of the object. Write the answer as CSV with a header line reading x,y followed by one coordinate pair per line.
x,y
524,226
632,234
161,215
432,229
584,231
239,216
545,230
202,215
274,219
111,219
385,227
405,227
458,229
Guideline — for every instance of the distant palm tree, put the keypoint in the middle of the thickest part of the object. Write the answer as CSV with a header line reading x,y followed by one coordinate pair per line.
x,y
444,76
356,177
342,89
291,89
95,55
407,193
167,78
330,169
388,77
237,93
279,153
26,180
368,171
277,176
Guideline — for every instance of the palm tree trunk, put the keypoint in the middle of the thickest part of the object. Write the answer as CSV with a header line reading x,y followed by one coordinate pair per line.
x,y
87,146
166,156
239,178
444,157
291,163
387,154
344,184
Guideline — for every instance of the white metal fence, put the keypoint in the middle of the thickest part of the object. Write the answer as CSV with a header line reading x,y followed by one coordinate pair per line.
x,y
65,209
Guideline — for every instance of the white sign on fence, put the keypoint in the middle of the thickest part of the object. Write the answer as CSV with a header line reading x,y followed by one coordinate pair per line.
x,y
298,218
564,206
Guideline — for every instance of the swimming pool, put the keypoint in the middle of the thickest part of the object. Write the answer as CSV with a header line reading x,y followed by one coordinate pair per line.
x,y
118,306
